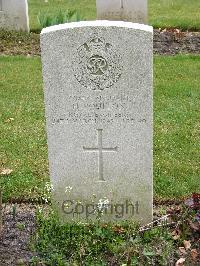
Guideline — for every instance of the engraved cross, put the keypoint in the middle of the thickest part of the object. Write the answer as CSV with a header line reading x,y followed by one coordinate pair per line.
x,y
100,151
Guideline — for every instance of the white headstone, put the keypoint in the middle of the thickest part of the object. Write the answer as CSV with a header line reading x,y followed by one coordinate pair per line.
x,y
14,15
125,10
98,99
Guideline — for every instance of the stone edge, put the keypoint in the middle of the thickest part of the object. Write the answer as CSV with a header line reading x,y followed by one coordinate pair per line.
x,y
98,23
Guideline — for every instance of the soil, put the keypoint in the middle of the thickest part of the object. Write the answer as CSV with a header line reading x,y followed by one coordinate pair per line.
x,y
19,225
171,42
17,43
166,42
15,235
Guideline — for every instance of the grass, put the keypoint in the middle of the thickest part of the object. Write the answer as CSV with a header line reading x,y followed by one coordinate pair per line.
x,y
23,140
123,243
101,245
176,127
183,14
86,8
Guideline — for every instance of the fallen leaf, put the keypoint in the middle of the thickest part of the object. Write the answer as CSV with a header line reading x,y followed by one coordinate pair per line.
x,y
187,244
177,30
174,210
180,262
194,201
194,254
195,226
6,171
176,234
104,225
189,202
197,217
182,250
118,229
9,120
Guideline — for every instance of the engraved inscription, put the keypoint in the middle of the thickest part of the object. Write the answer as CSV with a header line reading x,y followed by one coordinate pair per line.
x,y
96,64
100,109
100,151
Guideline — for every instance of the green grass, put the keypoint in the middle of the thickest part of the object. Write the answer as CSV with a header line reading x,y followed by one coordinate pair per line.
x,y
121,243
87,9
183,14
99,244
176,127
22,140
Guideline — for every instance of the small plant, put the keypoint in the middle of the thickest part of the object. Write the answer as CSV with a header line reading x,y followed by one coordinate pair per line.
x,y
97,243
173,238
20,226
14,211
61,17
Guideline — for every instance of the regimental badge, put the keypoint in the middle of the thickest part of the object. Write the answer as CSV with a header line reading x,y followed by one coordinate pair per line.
x,y
96,65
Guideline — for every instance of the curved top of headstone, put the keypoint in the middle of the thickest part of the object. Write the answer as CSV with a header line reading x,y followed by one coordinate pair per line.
x,y
98,23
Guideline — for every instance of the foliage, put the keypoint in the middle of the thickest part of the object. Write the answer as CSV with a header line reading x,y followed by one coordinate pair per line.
x,y
46,20
171,238
98,244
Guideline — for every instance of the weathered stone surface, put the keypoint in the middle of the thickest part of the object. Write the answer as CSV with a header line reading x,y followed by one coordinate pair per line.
x,y
125,10
14,15
98,99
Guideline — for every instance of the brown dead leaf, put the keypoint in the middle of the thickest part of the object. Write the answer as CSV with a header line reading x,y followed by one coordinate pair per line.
x,y
6,171
180,262
118,229
194,254
9,120
195,225
174,210
194,201
104,225
176,237
182,250
176,234
187,244
177,30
